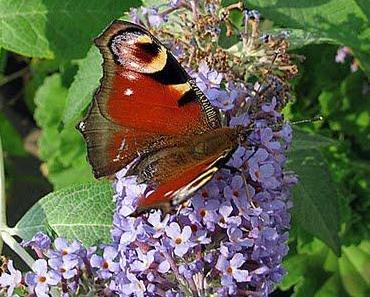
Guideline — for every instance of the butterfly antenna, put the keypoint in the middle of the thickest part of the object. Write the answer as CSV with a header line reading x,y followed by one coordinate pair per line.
x,y
307,121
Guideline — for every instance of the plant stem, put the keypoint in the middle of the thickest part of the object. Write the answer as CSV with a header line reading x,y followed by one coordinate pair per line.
x,y
2,195
17,248
4,229
13,76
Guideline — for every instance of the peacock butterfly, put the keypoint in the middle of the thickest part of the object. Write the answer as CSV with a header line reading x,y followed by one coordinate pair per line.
x,y
149,110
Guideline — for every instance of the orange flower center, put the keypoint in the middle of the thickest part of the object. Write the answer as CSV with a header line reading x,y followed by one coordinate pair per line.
x,y
178,240
105,265
229,270
42,279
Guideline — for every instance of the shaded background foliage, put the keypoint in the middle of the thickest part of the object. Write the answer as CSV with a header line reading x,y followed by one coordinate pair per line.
x,y
49,71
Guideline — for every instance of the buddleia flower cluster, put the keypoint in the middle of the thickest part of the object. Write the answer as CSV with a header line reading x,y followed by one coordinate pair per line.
x,y
230,237
62,268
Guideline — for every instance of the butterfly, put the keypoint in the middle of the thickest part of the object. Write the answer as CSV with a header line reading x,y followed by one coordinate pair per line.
x,y
148,112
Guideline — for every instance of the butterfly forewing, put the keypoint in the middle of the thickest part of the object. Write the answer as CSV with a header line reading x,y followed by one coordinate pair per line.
x,y
145,91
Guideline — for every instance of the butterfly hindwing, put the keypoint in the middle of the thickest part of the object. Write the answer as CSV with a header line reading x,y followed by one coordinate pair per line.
x,y
179,171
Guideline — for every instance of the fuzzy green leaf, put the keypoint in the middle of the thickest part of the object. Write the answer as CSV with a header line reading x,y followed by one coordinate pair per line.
x,y
53,28
305,271
82,212
63,150
303,141
315,271
316,202
84,85
354,267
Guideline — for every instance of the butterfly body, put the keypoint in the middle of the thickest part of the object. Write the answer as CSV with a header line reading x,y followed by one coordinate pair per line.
x,y
148,109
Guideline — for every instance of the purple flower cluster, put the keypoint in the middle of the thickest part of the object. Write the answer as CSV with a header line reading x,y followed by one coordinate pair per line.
x,y
231,237
209,82
59,264
68,267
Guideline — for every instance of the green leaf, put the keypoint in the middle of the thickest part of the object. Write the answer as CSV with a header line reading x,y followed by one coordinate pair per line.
x,y
12,141
50,101
305,271
82,212
296,266
308,286
316,271
347,109
304,140
316,206
40,69
332,288
84,85
63,150
354,267
344,21
53,28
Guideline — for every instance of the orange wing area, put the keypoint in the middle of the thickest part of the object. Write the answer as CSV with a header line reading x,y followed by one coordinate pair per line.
x,y
144,86
109,146
139,101
145,95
